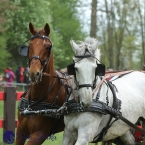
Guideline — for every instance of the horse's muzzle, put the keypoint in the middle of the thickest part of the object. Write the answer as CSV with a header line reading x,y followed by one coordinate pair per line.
x,y
34,77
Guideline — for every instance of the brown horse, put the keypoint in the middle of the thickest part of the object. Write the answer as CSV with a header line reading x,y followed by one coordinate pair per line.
x,y
45,91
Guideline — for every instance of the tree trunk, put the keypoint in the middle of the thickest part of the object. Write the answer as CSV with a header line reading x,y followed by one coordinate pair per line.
x,y
110,32
142,34
93,29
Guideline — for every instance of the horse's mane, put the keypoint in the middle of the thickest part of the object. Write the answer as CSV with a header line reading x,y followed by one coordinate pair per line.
x,y
90,43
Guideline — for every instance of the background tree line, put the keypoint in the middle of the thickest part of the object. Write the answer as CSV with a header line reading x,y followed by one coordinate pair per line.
x,y
15,17
119,25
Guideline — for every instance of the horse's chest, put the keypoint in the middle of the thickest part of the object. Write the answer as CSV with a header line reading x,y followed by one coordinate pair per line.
x,y
70,122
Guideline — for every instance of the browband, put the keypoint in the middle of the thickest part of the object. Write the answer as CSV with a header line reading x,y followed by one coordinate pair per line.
x,y
37,36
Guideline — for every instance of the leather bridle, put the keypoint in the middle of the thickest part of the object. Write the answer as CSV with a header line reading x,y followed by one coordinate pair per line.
x,y
93,85
43,63
26,48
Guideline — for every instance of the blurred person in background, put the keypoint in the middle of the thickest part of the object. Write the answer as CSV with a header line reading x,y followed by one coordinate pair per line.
x,y
26,78
9,76
20,77
17,73
143,68
21,73
5,71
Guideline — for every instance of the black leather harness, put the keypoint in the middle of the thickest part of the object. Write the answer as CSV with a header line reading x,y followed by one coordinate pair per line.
x,y
72,106
27,105
23,104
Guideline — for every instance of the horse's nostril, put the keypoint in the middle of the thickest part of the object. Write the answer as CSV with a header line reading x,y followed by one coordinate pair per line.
x,y
37,73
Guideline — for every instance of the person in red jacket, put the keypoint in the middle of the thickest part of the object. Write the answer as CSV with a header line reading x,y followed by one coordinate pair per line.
x,y
21,73
5,71
9,76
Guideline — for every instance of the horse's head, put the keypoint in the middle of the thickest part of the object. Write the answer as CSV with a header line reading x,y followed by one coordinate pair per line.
x,y
38,51
85,68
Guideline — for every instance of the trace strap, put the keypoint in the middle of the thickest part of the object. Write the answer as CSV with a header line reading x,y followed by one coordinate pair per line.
x,y
116,114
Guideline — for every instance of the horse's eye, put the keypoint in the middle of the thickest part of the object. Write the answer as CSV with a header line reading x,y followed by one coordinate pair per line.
x,y
48,46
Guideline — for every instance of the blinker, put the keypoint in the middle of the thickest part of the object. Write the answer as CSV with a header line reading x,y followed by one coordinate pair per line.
x,y
23,50
71,69
100,69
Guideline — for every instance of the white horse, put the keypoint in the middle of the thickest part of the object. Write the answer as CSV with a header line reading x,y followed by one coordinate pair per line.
x,y
82,128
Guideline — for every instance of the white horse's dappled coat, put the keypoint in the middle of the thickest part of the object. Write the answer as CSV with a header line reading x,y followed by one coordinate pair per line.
x,y
81,128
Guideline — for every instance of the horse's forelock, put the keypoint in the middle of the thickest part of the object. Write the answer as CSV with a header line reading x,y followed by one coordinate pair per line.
x,y
42,32
90,40
91,44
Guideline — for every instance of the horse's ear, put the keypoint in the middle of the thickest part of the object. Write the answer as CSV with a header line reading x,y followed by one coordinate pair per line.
x,y
75,47
32,29
47,29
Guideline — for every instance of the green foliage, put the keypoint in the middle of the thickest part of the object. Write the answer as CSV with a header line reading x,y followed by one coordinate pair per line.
x,y
17,26
60,15
130,53
66,23
117,26
120,30
4,54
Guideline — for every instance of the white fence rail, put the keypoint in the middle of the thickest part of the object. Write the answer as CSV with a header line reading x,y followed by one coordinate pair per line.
x,y
19,86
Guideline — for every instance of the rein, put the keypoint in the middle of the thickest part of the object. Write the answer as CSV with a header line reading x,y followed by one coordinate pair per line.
x,y
98,86
110,75
117,73
49,75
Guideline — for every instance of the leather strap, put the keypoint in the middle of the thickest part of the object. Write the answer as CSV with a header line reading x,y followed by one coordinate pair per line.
x,y
117,73
110,75
117,114
85,85
98,86
49,75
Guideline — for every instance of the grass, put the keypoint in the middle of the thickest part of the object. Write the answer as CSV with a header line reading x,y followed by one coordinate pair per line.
x,y
59,136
